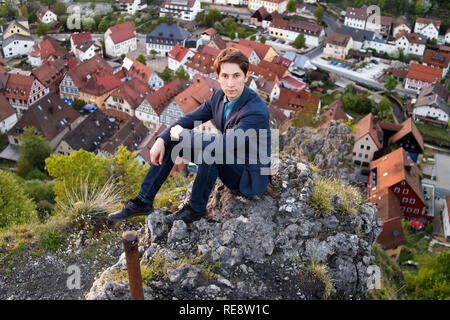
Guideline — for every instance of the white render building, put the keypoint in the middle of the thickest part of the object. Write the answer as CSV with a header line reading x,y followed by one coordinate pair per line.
x,y
181,9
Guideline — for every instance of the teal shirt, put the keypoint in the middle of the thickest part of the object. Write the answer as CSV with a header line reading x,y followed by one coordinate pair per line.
x,y
227,107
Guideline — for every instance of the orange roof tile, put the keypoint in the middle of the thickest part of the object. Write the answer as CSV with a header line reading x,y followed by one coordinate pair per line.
x,y
122,32
161,98
408,126
394,168
178,52
369,125
245,49
392,234
198,92
424,73
436,58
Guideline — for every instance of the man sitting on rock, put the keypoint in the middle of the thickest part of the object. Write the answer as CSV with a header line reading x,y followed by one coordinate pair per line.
x,y
239,156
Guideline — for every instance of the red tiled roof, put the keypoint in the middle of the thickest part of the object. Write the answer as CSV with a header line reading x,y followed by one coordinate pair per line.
x,y
411,37
424,73
261,49
280,70
245,49
18,86
392,234
50,72
295,99
138,69
436,58
101,82
369,125
79,37
258,71
197,93
178,52
79,73
334,112
210,32
394,168
161,98
133,91
50,115
6,110
338,39
202,62
427,21
122,32
408,127
49,47
208,50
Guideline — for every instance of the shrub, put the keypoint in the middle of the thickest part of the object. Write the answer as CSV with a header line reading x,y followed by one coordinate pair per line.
x,y
326,191
16,207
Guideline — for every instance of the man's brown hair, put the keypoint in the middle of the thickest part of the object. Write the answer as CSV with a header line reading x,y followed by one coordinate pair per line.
x,y
231,55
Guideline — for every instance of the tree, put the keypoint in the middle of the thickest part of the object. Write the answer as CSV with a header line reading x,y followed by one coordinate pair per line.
x,y
213,16
383,110
167,75
78,104
3,11
88,24
141,59
432,280
34,149
60,8
103,25
182,74
42,29
16,207
391,83
318,13
299,41
419,8
291,6
82,166
306,117
25,12
262,39
153,52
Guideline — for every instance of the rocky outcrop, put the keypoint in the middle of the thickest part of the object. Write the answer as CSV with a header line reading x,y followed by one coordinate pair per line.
x,y
265,247
329,149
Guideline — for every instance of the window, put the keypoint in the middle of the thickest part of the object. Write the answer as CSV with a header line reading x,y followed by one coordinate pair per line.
x,y
416,211
402,208
397,190
409,210
362,146
412,201
405,191
405,200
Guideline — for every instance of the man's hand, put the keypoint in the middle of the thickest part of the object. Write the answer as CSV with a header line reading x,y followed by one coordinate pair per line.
x,y
175,132
157,152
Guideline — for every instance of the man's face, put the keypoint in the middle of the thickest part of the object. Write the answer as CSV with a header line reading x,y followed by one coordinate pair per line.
x,y
232,80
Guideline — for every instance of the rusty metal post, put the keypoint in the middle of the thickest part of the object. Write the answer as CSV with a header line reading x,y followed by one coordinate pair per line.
x,y
130,245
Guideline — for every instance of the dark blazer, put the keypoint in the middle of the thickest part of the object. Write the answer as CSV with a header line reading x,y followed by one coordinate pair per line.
x,y
249,112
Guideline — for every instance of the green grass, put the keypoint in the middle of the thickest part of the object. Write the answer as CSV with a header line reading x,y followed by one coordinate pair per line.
x,y
434,132
329,98
324,191
158,267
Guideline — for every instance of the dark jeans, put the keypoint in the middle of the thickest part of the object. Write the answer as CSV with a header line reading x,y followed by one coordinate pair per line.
x,y
204,182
